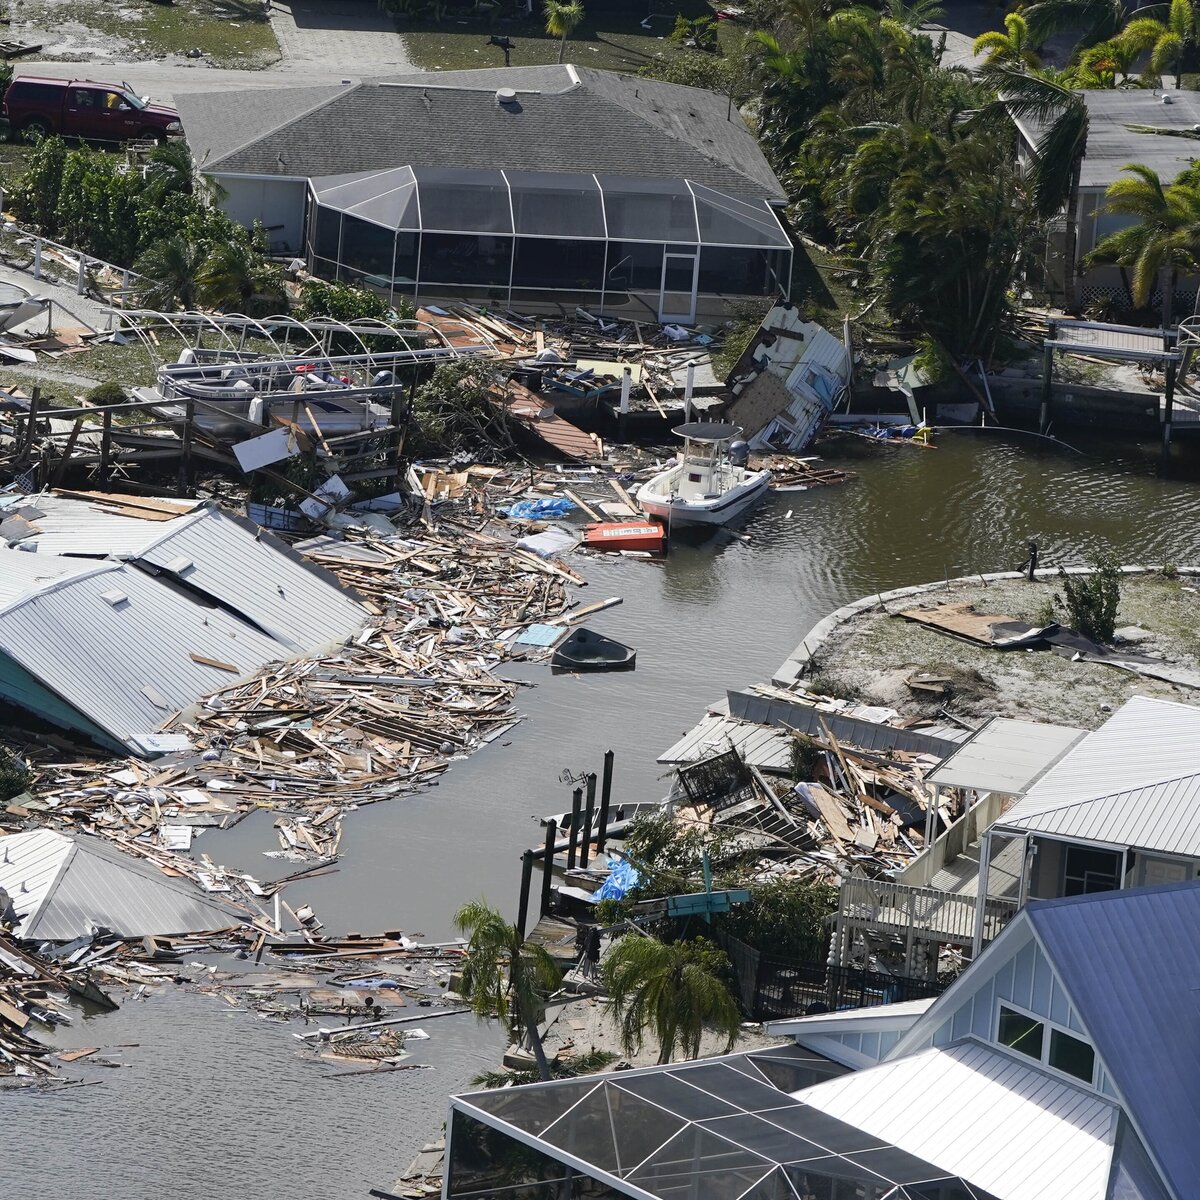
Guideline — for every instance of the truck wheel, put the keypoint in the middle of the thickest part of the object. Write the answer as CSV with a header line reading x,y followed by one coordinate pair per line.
x,y
35,129
150,134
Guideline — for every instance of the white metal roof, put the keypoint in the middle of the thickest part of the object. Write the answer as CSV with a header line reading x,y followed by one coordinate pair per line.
x,y
1044,1136
880,1016
117,645
223,556
298,604
763,746
23,573
1006,756
63,887
1135,781
68,525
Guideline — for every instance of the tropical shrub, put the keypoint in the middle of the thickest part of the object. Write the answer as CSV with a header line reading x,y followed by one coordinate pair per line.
x,y
1091,601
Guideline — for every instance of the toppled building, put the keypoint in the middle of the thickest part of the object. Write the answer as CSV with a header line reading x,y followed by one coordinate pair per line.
x,y
62,888
790,378
116,613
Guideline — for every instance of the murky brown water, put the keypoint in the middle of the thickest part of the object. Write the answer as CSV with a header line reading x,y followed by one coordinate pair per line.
x,y
216,1102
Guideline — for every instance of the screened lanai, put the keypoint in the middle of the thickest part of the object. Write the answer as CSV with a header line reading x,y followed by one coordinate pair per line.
x,y
529,237
718,1129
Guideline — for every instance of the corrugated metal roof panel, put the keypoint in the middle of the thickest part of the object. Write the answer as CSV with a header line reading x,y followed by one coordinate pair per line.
x,y
23,572
97,885
1006,756
223,556
29,865
762,746
69,525
1135,781
995,1122
1131,963
128,665
296,603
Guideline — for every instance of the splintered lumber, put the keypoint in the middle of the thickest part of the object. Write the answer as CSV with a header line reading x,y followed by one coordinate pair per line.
x,y
375,719
831,813
569,618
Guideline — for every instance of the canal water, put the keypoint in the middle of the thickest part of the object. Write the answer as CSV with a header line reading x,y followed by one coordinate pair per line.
x,y
215,1101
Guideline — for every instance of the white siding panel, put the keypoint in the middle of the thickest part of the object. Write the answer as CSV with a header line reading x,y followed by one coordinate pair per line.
x,y
274,202
1046,1138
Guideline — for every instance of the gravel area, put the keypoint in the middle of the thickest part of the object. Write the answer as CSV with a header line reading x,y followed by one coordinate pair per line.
x,y
871,656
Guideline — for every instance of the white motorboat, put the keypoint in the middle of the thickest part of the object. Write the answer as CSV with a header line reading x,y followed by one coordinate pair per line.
x,y
709,483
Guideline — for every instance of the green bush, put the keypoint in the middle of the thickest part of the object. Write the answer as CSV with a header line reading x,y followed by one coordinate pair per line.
x,y
1091,601
107,393
784,918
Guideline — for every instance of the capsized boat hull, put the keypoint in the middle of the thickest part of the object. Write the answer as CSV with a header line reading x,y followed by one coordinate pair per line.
x,y
715,510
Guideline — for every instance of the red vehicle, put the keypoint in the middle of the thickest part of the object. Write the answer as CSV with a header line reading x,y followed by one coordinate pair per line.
x,y
37,106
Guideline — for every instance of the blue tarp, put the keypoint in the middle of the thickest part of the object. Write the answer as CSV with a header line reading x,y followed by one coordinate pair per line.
x,y
622,876
539,510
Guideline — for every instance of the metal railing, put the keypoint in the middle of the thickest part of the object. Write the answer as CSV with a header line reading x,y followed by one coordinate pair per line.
x,y
922,912
954,842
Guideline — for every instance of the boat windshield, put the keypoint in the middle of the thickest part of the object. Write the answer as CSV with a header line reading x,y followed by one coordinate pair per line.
x,y
701,452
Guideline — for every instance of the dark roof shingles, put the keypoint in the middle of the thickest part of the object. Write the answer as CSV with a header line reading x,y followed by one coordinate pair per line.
x,y
608,124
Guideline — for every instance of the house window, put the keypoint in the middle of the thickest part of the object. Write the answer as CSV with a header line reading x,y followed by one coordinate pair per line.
x,y
1071,1055
1047,1043
1022,1033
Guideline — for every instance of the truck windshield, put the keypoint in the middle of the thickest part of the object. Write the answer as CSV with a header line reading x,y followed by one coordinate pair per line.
x,y
131,97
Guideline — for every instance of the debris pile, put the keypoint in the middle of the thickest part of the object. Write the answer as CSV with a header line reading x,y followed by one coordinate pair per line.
x,y
855,810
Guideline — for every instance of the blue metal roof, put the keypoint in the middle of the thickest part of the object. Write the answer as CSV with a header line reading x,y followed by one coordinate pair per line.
x,y
1131,963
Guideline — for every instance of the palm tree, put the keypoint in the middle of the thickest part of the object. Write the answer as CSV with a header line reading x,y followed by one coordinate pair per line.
x,y
1104,65
1013,48
169,169
504,976
673,989
1038,102
1167,43
169,269
1094,20
561,18
1167,233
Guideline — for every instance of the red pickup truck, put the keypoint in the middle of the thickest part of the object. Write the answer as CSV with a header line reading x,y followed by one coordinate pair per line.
x,y
37,106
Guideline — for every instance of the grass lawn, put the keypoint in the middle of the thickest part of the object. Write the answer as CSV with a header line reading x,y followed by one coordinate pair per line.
x,y
614,41
226,32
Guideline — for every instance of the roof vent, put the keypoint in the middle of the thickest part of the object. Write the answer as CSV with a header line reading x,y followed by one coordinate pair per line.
x,y
506,96
114,597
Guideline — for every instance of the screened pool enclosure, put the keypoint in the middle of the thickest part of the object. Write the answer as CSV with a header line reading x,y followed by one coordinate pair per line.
x,y
530,237
717,1129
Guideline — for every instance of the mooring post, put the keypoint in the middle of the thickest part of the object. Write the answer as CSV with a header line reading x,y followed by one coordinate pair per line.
x,y
548,866
576,805
1047,380
588,813
1168,411
605,798
526,879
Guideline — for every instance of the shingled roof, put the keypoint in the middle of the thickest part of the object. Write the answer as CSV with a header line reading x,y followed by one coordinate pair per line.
x,y
565,118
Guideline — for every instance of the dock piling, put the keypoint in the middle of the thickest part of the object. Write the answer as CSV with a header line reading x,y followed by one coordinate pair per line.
x,y
576,805
605,799
588,813
548,866
526,879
